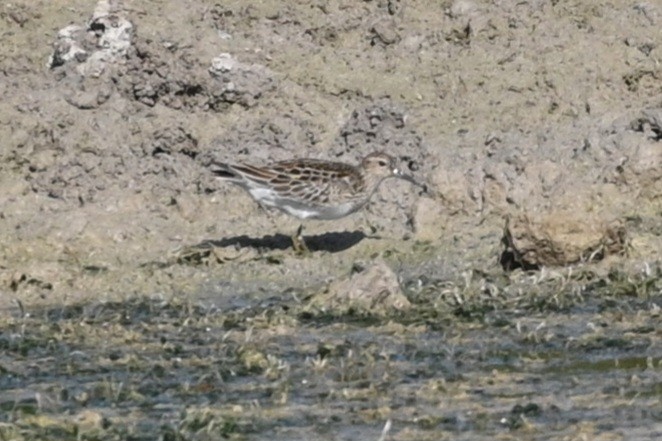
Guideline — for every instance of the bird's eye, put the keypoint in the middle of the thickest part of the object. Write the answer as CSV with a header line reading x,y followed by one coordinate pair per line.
x,y
381,163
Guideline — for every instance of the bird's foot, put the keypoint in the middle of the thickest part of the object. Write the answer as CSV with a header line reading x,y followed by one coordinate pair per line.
x,y
299,245
370,231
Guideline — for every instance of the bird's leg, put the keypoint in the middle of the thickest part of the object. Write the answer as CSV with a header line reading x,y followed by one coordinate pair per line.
x,y
298,243
372,229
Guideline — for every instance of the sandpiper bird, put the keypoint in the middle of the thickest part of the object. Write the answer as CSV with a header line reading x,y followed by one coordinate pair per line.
x,y
313,188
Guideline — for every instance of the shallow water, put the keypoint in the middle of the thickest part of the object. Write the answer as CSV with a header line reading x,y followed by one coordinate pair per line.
x,y
587,368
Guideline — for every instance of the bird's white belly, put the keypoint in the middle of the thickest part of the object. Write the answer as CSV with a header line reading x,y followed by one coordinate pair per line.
x,y
301,213
301,210
318,212
264,196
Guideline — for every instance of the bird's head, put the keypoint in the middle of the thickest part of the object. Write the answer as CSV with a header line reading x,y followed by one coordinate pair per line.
x,y
382,165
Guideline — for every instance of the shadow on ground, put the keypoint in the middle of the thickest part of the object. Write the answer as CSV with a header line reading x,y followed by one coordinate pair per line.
x,y
331,242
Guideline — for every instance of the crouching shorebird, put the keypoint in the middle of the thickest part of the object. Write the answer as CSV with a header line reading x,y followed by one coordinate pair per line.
x,y
313,188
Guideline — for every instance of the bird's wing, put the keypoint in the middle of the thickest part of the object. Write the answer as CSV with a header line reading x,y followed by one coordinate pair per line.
x,y
310,180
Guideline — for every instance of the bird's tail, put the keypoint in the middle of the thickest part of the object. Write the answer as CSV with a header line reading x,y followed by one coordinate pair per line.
x,y
243,174
225,171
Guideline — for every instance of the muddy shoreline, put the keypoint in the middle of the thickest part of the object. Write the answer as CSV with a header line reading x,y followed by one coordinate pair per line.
x,y
577,359
520,298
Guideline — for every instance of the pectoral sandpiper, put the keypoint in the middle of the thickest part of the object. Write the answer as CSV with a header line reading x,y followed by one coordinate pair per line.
x,y
313,188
